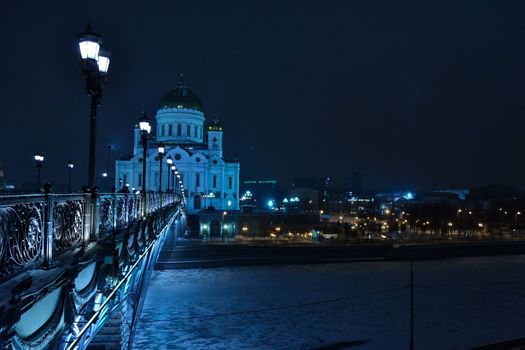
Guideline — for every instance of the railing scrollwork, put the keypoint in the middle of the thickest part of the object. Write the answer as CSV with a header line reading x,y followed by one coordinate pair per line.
x,y
34,228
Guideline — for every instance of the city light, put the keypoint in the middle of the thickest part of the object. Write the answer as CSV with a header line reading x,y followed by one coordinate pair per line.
x,y
270,203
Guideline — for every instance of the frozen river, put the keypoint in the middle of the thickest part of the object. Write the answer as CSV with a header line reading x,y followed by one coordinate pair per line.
x,y
459,303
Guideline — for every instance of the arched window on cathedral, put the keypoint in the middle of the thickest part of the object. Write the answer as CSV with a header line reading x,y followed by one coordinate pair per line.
x,y
188,130
179,130
195,131
170,130
215,143
162,130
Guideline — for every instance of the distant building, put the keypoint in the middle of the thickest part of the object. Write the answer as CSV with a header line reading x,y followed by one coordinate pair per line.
x,y
209,178
302,199
320,184
260,194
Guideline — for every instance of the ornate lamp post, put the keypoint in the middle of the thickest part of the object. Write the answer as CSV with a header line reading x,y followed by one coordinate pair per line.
x,y
173,169
70,170
169,160
39,160
95,64
104,180
161,150
145,129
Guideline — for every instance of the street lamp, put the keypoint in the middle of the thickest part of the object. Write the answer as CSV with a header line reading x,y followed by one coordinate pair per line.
x,y
70,170
173,169
104,180
39,160
457,221
169,160
95,64
224,225
161,150
518,213
145,128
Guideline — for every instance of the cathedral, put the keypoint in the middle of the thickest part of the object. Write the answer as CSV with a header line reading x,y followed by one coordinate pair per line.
x,y
209,179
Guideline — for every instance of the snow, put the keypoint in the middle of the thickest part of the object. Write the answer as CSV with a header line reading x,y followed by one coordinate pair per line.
x,y
459,303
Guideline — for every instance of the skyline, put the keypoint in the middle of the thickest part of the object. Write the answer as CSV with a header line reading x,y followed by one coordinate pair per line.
x,y
320,90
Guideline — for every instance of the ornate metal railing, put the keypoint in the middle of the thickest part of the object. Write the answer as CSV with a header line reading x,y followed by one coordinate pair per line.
x,y
34,228
21,231
68,221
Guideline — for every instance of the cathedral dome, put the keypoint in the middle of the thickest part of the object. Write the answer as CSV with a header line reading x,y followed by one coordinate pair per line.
x,y
181,97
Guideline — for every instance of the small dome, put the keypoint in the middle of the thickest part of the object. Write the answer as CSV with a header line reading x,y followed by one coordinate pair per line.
x,y
215,125
181,97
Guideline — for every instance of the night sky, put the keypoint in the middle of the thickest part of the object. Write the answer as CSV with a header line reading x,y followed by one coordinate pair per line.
x,y
416,94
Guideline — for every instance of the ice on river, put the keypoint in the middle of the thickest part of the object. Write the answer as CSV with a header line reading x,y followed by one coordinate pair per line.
x,y
459,303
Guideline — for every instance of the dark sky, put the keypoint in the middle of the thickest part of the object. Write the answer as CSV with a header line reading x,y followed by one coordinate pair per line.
x,y
416,94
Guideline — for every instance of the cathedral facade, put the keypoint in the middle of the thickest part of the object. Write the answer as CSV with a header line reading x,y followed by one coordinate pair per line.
x,y
195,146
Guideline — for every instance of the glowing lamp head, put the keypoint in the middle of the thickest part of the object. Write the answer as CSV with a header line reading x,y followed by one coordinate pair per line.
x,y
70,165
89,44
39,158
169,160
103,61
144,124
173,167
104,174
161,149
